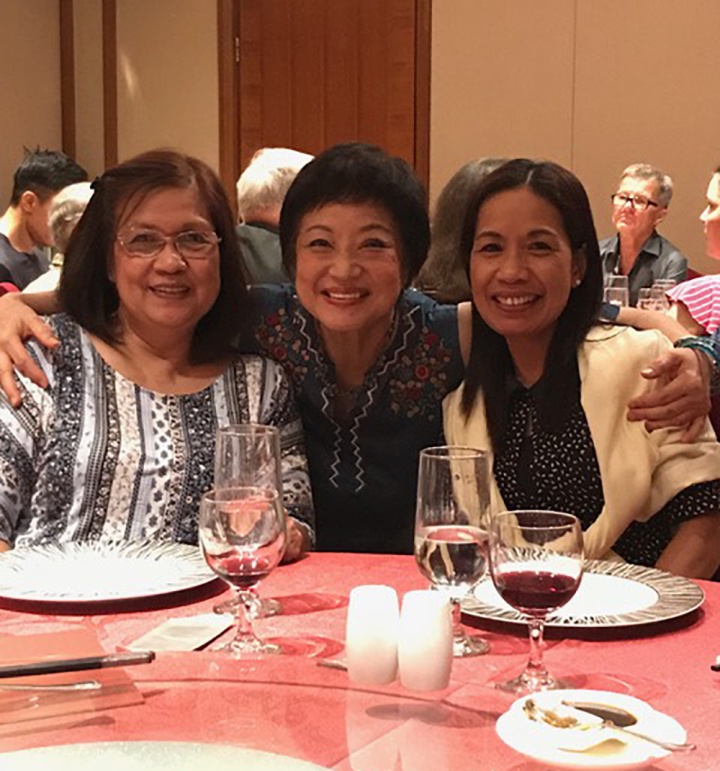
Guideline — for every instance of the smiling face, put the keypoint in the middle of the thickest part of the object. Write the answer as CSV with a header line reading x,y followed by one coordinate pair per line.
x,y
632,222
164,293
348,273
522,268
711,218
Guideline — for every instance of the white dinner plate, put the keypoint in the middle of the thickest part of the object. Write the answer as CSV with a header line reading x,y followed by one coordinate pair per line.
x,y
150,756
610,594
547,744
101,572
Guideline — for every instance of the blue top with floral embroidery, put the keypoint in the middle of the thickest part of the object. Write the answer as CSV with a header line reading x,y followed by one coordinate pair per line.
x,y
363,446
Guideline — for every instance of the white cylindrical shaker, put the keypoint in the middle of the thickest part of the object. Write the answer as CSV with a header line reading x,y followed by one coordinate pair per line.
x,y
425,644
372,634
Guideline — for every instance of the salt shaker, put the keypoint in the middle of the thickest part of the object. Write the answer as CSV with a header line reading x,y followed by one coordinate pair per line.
x,y
425,642
372,634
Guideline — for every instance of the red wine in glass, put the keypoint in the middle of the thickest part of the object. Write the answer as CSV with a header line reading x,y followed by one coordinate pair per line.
x,y
534,592
536,564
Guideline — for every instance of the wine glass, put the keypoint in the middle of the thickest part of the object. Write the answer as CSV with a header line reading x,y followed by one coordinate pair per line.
x,y
248,455
536,563
242,534
450,528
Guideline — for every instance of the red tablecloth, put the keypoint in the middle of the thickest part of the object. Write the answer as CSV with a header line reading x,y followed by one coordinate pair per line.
x,y
289,705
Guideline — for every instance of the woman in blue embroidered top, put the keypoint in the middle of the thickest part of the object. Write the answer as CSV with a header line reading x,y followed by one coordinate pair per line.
x,y
370,359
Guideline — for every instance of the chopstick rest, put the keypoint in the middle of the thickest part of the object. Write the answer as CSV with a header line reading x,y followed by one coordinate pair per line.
x,y
76,665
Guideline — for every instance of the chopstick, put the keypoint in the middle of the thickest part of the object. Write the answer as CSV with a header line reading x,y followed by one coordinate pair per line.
x,y
76,665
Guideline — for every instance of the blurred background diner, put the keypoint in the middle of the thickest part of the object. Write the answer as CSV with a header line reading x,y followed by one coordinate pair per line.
x,y
261,189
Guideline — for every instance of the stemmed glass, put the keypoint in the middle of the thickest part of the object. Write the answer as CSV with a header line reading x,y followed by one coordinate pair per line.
x,y
450,528
242,534
247,455
536,563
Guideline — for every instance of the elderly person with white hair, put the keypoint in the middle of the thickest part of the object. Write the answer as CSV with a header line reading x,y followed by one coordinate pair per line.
x,y
65,211
261,190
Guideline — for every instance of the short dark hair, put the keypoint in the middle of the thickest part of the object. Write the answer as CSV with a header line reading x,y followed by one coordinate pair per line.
x,y
490,361
86,291
45,172
360,173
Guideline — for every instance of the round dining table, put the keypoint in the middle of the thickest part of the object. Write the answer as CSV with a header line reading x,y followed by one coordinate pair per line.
x,y
295,707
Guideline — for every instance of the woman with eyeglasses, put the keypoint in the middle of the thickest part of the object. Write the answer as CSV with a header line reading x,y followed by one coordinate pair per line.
x,y
121,443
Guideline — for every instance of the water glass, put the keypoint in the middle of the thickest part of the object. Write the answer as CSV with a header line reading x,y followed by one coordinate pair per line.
x,y
248,455
242,535
451,528
617,295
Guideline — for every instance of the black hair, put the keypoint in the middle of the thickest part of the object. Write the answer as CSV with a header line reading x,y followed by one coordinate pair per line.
x,y
490,362
45,172
86,291
359,173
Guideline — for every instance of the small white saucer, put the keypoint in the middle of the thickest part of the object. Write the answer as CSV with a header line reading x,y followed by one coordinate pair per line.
x,y
547,744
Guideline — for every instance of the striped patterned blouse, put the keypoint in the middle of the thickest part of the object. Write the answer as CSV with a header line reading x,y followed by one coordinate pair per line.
x,y
97,457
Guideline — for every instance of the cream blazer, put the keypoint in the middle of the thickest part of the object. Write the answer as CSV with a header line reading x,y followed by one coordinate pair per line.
x,y
640,471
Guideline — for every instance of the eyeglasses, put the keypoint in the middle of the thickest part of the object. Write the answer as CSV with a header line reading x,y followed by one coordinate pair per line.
x,y
190,244
638,202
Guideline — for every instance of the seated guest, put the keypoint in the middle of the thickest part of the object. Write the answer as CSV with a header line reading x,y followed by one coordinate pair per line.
x,y
24,230
370,359
696,304
443,275
638,251
121,444
65,212
261,189
552,411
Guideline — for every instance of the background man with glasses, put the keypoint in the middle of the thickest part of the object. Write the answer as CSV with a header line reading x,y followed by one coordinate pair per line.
x,y
638,251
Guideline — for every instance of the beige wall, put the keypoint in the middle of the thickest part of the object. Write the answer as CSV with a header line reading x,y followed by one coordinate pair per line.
x,y
592,84
561,79
168,77
30,83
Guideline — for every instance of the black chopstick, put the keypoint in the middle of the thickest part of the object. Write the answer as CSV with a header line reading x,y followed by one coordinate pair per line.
x,y
76,665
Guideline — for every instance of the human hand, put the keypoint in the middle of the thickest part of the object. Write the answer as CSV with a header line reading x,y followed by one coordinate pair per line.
x,y
681,398
298,542
17,323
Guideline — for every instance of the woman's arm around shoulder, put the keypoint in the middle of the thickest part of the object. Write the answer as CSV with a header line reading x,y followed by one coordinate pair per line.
x,y
20,321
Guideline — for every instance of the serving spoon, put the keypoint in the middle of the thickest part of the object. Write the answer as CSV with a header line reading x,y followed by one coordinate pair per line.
x,y
612,717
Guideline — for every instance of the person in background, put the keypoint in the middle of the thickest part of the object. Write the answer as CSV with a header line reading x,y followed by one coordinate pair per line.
x,y
24,229
638,251
120,446
261,190
551,410
370,359
443,275
65,212
695,307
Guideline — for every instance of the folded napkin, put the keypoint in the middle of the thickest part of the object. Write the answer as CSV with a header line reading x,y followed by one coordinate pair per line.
x,y
117,690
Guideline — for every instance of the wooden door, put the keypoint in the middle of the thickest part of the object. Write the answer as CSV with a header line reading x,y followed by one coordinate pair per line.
x,y
309,73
